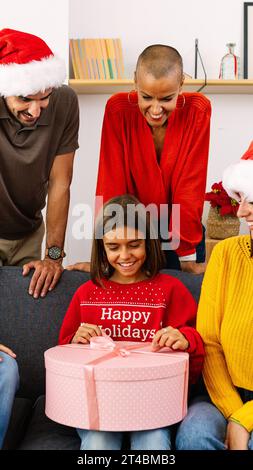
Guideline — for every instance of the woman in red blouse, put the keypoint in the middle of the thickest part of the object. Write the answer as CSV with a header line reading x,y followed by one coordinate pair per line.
x,y
154,145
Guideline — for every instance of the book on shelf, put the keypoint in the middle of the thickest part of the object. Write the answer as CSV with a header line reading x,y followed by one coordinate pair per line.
x,y
96,59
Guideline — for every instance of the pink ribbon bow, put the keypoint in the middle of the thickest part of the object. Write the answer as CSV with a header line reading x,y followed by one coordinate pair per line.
x,y
107,344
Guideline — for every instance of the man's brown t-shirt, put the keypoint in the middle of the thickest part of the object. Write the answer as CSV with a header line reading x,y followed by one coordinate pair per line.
x,y
26,158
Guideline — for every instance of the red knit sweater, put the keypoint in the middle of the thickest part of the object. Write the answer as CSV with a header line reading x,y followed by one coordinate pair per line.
x,y
134,312
128,162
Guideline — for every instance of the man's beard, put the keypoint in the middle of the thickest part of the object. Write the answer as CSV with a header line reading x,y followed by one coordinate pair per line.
x,y
20,118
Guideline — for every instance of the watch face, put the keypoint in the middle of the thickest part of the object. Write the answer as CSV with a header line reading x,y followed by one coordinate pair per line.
x,y
54,252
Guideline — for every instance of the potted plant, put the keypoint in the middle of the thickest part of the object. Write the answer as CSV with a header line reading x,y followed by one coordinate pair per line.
x,y
222,221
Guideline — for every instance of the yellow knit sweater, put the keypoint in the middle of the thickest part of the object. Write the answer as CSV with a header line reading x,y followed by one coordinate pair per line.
x,y
225,322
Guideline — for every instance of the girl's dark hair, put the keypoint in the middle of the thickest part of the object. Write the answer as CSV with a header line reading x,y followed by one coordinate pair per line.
x,y
108,219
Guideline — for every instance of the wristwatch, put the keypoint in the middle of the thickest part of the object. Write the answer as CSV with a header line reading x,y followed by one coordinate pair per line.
x,y
55,253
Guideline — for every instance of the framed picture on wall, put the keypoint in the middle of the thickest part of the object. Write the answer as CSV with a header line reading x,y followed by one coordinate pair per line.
x,y
248,40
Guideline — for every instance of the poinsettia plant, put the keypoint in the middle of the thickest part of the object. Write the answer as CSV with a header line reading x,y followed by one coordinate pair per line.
x,y
219,198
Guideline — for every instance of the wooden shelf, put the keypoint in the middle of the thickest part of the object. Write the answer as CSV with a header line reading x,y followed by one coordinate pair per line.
x,y
228,87
99,87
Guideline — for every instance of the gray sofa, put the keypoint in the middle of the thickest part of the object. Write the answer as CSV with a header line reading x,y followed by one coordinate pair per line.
x,y
30,327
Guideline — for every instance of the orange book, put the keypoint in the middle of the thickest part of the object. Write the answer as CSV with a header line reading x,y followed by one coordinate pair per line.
x,y
105,58
86,59
99,58
85,73
116,61
78,58
73,58
120,55
111,57
72,65
90,59
94,59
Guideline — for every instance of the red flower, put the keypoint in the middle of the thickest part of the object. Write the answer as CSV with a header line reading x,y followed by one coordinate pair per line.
x,y
219,198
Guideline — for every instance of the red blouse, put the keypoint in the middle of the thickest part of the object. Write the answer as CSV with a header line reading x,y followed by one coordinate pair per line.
x,y
128,161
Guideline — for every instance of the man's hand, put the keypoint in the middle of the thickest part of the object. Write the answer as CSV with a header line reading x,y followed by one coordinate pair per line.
x,y
7,351
237,437
170,337
45,277
83,266
193,267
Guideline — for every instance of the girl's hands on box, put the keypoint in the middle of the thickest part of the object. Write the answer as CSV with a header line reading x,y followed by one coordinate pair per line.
x,y
85,332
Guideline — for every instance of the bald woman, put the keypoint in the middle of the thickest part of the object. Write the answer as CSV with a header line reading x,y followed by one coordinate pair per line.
x,y
154,145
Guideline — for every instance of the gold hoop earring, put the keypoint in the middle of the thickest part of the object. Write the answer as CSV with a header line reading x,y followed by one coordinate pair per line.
x,y
129,98
183,97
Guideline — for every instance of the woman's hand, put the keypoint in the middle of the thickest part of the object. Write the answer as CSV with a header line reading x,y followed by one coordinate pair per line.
x,y
83,266
85,333
170,337
237,437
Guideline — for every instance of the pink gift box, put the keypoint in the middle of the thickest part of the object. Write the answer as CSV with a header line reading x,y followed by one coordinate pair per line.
x,y
97,389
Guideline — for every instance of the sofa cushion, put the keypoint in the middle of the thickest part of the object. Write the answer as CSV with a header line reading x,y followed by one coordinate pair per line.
x,y
30,326
191,281
21,414
44,434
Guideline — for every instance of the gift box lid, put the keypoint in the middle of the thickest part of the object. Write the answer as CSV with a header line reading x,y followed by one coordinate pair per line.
x,y
141,364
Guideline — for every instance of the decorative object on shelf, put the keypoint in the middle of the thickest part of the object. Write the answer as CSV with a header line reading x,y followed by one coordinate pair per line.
x,y
198,55
247,39
230,68
222,221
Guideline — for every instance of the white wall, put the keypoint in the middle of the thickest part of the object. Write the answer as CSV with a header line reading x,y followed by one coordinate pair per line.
x,y
140,23
48,19
143,22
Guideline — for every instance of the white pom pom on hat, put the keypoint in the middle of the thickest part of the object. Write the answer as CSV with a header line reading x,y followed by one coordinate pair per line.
x,y
238,178
27,65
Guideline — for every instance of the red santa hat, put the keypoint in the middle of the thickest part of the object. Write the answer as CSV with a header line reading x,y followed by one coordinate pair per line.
x,y
27,65
238,178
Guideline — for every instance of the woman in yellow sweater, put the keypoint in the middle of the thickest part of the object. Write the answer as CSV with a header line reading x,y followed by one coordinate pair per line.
x,y
225,322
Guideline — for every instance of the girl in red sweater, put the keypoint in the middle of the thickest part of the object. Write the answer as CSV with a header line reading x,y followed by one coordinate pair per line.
x,y
129,299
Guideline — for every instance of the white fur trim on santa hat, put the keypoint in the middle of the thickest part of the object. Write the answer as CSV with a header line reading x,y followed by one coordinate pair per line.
x,y
238,178
33,77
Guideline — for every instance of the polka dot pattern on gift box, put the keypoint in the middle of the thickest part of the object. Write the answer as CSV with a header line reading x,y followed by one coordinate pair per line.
x,y
129,402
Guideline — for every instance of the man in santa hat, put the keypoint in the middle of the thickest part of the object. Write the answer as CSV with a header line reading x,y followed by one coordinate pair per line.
x,y
39,121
